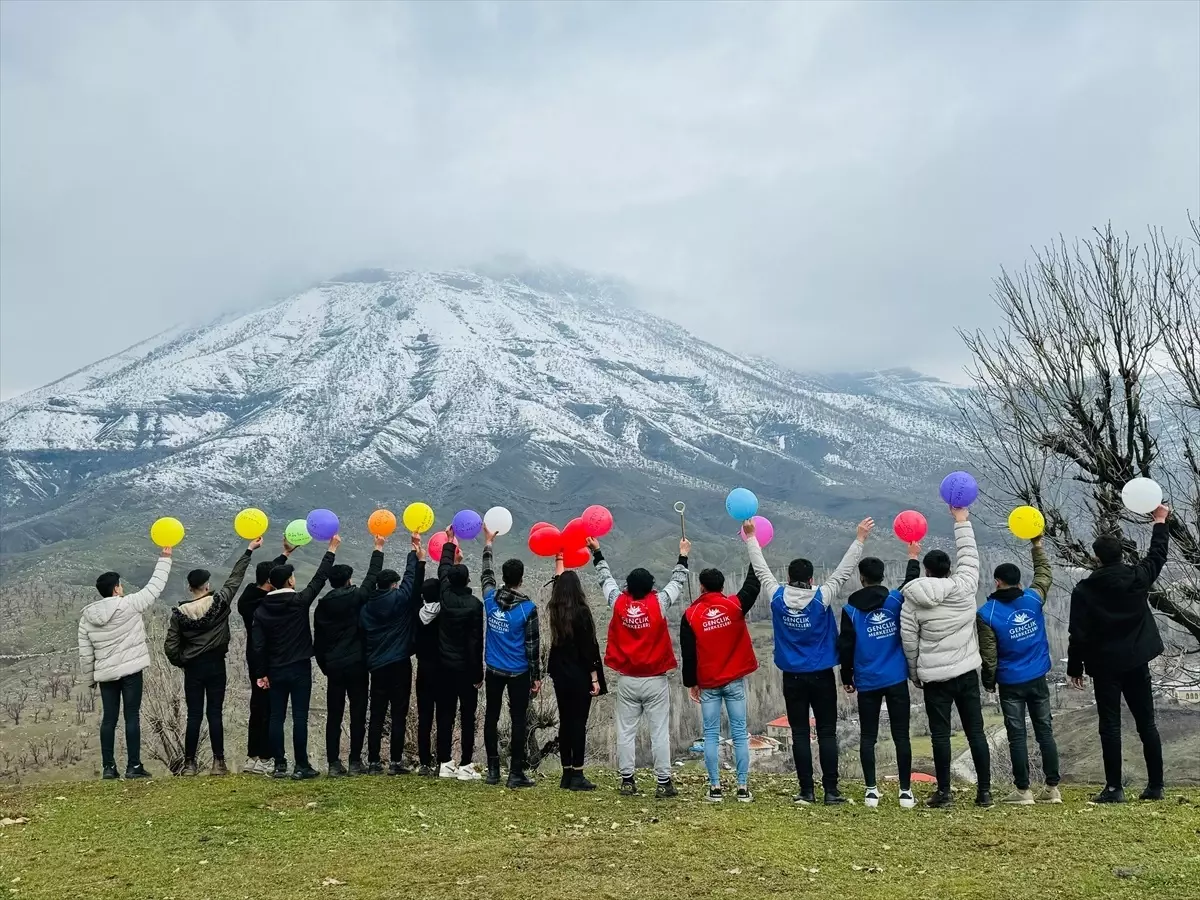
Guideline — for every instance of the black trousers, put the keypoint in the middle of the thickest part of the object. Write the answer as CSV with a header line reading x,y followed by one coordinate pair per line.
x,y
574,705
1134,686
816,691
342,685
127,690
456,690
961,692
1033,696
427,682
258,733
517,686
204,680
294,683
869,703
391,687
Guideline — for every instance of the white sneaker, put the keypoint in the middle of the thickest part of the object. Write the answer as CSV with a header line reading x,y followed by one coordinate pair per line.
x,y
448,770
871,798
251,766
266,767
469,773
907,800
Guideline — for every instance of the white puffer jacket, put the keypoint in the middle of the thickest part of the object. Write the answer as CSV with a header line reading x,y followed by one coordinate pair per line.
x,y
112,636
937,621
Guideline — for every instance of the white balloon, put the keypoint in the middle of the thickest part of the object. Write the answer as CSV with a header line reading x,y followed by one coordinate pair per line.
x,y
498,519
1142,496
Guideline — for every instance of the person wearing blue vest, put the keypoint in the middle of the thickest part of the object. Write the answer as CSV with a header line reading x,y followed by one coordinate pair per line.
x,y
512,655
874,667
806,652
1016,656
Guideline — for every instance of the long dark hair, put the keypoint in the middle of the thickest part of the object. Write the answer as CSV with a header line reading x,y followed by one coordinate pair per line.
x,y
570,618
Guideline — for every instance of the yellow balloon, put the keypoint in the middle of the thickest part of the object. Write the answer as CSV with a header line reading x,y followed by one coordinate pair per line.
x,y
418,517
166,532
250,524
1026,523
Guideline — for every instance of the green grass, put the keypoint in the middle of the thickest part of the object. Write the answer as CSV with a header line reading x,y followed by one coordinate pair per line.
x,y
376,838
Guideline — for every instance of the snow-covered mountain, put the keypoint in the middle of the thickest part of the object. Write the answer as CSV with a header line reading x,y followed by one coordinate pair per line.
x,y
539,389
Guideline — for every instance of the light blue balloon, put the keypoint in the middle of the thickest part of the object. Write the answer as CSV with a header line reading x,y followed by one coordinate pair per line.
x,y
741,504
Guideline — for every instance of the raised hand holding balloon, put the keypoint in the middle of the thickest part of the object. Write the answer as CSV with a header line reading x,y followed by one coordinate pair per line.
x,y
322,524
741,504
166,532
418,517
467,524
382,523
498,520
1026,523
297,534
545,540
910,526
764,531
1142,496
250,524
435,546
597,521
959,489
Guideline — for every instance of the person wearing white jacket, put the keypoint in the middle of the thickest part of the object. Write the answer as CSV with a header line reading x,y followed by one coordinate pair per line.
x,y
938,629
112,653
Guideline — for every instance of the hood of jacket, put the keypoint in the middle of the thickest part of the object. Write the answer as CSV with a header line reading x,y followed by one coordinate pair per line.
x,y
868,598
277,601
506,598
195,614
927,592
1007,595
99,613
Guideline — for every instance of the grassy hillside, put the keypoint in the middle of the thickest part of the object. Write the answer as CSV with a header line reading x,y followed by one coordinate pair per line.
x,y
370,838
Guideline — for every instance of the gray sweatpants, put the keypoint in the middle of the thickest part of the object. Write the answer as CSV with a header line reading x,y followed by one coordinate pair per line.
x,y
650,697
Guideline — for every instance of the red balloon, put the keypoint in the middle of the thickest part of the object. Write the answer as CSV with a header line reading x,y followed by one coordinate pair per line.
x,y
597,521
436,543
536,525
576,557
575,534
910,526
546,541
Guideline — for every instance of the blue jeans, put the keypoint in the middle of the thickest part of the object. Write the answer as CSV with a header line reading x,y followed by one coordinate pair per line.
x,y
734,696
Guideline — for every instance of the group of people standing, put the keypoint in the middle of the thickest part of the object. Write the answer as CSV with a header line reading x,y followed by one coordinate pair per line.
x,y
928,631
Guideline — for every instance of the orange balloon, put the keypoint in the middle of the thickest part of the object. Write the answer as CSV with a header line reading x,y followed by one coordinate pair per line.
x,y
382,523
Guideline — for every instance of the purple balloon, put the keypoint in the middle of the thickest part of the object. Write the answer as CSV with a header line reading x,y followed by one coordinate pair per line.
x,y
467,524
959,489
322,524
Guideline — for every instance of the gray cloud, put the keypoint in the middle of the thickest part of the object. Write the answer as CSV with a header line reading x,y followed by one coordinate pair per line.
x,y
832,185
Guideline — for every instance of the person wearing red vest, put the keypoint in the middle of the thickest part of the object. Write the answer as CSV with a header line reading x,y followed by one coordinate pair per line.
x,y
717,657
639,650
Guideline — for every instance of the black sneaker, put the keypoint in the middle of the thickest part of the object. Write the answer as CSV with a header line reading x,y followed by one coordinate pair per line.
x,y
579,782
714,795
983,799
399,768
280,771
190,769
337,770
805,798
493,772
427,772
833,798
518,779
1152,793
665,790
138,771
565,781
628,786
940,800
110,773
744,795
375,768
304,773
356,768
1110,795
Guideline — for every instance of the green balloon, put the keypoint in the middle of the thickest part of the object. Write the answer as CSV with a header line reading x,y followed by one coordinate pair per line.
x,y
297,534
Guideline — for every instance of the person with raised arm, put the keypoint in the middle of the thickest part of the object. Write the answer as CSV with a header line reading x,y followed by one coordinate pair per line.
x,y
1016,656
938,627
874,668
341,655
717,656
806,652
112,654
513,658
197,642
389,624
639,650
283,649
1113,638
425,644
576,669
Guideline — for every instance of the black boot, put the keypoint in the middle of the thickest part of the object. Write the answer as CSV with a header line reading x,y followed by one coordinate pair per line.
x,y
336,769
356,767
518,779
493,771
579,781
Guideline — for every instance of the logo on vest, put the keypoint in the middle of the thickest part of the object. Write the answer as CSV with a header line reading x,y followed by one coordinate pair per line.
x,y
715,618
796,618
635,617
1022,626
880,625
497,621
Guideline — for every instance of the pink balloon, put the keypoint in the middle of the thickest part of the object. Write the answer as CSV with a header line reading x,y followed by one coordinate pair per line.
x,y
910,526
763,530
436,543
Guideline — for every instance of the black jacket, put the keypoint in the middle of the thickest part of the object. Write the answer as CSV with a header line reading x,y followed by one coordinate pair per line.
x,y
1112,627
460,624
337,635
389,618
247,604
200,626
866,600
281,634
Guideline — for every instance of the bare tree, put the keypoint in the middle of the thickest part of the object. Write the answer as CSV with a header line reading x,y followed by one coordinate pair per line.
x,y
14,705
1091,380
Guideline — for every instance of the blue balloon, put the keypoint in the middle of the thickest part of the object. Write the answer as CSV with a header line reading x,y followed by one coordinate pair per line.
x,y
959,489
741,504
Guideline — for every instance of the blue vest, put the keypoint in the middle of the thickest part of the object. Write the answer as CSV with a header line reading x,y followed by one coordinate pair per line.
x,y
805,639
878,654
1022,647
504,649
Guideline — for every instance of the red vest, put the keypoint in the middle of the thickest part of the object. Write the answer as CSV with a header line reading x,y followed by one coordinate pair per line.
x,y
724,652
639,642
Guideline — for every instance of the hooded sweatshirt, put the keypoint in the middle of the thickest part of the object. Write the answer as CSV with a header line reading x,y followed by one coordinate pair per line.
x,y
938,620
460,620
282,634
1112,627
1012,629
874,613
200,627
512,644
389,617
112,636
337,634
713,638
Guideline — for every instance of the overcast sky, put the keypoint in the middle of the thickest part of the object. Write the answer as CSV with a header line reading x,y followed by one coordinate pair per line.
x,y
834,186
